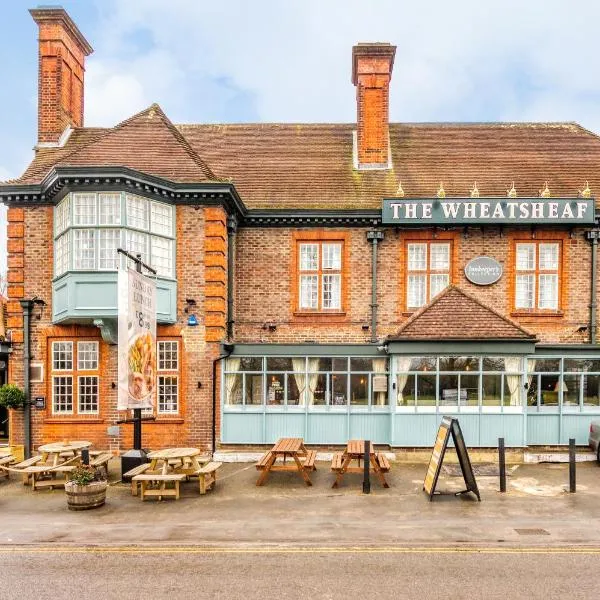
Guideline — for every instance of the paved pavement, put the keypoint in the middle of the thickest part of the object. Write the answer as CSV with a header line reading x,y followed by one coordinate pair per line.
x,y
536,511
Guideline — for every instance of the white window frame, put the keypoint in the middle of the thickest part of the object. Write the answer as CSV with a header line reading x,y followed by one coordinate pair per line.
x,y
80,411
170,372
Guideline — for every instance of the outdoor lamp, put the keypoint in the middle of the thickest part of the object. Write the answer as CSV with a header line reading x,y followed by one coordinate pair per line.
x,y
192,320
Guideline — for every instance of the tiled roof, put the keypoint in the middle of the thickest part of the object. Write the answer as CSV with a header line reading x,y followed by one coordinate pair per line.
x,y
147,142
455,315
311,165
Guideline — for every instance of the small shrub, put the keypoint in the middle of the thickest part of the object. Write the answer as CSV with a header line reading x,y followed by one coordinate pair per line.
x,y
11,396
84,474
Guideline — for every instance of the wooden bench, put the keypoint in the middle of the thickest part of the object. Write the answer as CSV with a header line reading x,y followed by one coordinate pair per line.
x,y
264,461
309,461
101,462
161,480
384,463
207,476
5,460
337,462
139,470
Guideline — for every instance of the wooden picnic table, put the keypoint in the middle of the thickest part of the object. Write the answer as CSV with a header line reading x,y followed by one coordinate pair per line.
x,y
287,448
51,453
355,450
175,460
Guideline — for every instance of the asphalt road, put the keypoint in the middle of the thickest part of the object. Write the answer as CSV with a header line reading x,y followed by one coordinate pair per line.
x,y
294,572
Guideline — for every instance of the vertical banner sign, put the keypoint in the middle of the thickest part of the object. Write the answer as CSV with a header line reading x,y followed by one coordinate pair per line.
x,y
137,340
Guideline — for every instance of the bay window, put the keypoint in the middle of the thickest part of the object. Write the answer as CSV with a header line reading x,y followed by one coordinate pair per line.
x,y
89,227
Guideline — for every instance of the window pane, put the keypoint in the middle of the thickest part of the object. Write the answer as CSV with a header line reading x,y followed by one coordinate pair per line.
x,y
87,356
62,356
423,363
168,359
168,386
293,393
359,390
417,285
110,209
437,283
571,389
233,388
425,390
275,388
254,389
309,291
417,257
547,364
331,291
136,243
469,390
250,363
137,211
62,394
449,390
548,257
405,385
332,256
84,209
339,389
492,390
459,363
309,257
525,257
361,364
161,218
591,388
317,384
493,363
108,242
440,257
277,363
62,253
525,291
162,256
549,390
548,291
88,394
582,364
84,249
62,215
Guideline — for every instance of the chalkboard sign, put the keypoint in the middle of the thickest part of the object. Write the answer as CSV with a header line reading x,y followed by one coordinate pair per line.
x,y
449,426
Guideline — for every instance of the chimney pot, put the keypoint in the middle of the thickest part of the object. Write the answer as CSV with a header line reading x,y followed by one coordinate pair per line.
x,y
61,68
372,65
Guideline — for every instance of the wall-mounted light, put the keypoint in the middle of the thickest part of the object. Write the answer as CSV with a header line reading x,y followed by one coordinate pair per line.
x,y
38,309
113,385
192,321
365,327
199,385
190,302
269,326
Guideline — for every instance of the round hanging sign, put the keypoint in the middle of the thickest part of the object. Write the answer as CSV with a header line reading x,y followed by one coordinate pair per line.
x,y
483,270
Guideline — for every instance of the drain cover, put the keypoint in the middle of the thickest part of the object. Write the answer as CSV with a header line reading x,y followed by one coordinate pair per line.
x,y
532,532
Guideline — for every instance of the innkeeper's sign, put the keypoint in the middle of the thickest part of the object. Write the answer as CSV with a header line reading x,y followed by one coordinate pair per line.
x,y
491,211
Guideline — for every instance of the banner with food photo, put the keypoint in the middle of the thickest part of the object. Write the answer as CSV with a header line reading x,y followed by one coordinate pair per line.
x,y
137,340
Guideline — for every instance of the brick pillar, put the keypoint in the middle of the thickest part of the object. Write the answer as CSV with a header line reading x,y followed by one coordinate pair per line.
x,y
372,66
215,273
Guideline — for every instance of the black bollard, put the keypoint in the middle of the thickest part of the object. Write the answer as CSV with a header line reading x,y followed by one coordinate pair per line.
x,y
85,456
367,475
502,464
572,473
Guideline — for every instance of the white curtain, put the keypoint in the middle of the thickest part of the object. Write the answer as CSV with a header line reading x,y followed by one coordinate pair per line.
x,y
530,369
299,365
379,365
313,379
513,364
402,365
232,380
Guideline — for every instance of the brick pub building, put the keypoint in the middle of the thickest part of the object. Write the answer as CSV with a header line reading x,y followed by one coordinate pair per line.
x,y
342,280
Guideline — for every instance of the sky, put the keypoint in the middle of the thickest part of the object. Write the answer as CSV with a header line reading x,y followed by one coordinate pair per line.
x,y
290,61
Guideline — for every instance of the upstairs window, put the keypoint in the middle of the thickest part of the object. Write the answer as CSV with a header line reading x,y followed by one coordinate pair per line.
x,y
89,227
427,271
320,276
537,275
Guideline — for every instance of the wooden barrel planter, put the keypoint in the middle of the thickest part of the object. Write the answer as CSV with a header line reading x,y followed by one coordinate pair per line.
x,y
85,497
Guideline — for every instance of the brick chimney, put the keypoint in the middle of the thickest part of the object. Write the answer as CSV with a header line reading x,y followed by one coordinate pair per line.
x,y
372,65
62,52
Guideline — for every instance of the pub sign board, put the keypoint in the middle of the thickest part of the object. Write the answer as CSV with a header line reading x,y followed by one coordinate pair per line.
x,y
488,211
483,270
449,426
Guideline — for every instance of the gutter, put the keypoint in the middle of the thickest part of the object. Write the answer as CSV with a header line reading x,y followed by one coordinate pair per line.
x,y
374,236
593,237
227,350
27,306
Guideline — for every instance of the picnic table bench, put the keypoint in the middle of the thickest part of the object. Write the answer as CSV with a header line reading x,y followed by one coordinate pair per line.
x,y
161,480
6,460
43,475
303,459
355,450
207,476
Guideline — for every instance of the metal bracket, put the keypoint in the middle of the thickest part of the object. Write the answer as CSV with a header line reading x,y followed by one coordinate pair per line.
x,y
108,330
